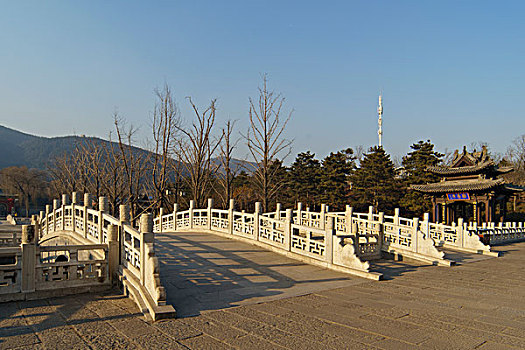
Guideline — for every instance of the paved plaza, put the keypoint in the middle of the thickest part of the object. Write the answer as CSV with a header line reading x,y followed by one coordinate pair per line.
x,y
234,295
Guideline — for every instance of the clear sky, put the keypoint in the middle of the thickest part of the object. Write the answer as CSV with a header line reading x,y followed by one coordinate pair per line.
x,y
450,71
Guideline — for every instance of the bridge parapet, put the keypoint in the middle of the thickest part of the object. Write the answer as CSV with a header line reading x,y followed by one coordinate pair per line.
x,y
397,233
33,271
136,265
279,232
306,233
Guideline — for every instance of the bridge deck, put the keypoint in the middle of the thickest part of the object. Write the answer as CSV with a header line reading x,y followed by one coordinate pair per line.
x,y
473,306
202,271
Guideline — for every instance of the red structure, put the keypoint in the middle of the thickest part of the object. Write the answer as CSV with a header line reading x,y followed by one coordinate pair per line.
x,y
7,204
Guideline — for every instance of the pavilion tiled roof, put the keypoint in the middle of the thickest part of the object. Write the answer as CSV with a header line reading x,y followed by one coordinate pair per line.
x,y
459,186
468,170
464,170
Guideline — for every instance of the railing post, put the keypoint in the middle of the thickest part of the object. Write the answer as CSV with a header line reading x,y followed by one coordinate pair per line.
x,y
231,209
36,224
175,209
65,201
329,239
192,203
299,213
415,234
256,221
161,214
40,224
278,211
113,252
124,218
348,220
146,236
48,211
56,204
103,207
381,231
396,216
371,213
288,230
87,205
208,212
74,202
426,225
322,217
28,258
460,233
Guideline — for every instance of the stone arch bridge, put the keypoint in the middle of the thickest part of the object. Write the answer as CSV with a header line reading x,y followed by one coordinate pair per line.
x,y
74,247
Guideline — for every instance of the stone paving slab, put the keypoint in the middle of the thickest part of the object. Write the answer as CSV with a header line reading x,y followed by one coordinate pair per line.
x,y
203,272
473,306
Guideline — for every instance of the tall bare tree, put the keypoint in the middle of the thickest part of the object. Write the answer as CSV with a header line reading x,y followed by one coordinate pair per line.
x,y
196,150
266,141
134,163
166,121
227,172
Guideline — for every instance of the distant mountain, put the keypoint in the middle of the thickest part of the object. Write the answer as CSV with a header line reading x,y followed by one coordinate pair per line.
x,y
21,149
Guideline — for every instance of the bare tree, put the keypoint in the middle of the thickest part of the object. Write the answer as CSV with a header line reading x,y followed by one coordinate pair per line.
x,y
516,157
134,162
196,150
27,183
266,142
359,153
226,173
166,121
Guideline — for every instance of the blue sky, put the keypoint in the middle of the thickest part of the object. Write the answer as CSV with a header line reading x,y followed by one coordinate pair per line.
x,y
450,71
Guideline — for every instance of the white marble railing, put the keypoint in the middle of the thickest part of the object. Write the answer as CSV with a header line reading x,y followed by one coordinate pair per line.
x,y
31,270
284,232
12,241
135,264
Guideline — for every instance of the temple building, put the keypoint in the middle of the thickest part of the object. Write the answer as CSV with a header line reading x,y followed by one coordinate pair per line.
x,y
471,187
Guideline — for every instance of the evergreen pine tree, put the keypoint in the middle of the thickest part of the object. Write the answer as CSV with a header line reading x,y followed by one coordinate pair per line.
x,y
416,164
374,183
335,173
304,179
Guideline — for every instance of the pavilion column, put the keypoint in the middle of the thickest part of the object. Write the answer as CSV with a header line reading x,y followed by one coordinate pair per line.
x,y
444,212
475,211
487,209
434,210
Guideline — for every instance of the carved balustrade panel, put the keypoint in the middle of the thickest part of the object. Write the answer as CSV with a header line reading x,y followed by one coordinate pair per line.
x,y
131,247
10,270
219,220
308,241
200,218
271,231
243,224
71,265
183,219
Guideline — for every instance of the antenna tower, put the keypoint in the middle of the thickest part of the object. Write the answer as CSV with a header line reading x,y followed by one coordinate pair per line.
x,y
380,120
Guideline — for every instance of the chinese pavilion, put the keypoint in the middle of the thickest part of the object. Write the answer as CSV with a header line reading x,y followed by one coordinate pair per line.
x,y
471,188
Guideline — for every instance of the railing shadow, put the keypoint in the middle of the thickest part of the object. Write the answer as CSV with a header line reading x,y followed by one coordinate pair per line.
x,y
391,268
203,272
24,318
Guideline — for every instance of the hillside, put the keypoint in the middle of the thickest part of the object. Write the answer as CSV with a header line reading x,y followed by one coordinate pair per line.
x,y
21,149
